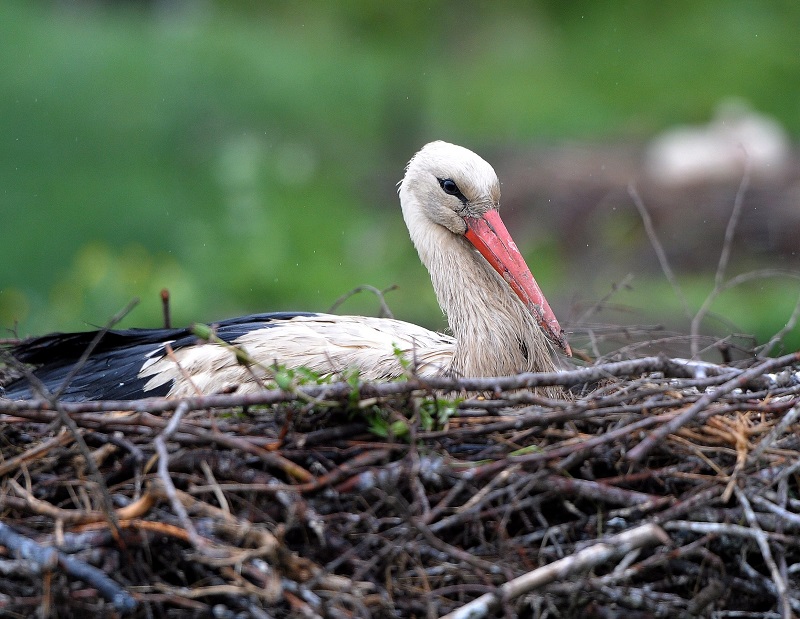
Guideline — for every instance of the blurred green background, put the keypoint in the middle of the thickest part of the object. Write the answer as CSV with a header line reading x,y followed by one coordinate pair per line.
x,y
244,155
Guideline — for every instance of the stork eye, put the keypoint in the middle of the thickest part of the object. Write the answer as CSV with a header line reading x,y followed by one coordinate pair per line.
x,y
449,186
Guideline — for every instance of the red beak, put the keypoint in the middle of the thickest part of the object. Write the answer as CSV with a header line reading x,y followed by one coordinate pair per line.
x,y
489,236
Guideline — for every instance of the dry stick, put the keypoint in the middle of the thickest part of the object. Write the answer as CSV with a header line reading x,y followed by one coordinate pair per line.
x,y
568,450
342,390
60,440
766,554
731,283
785,473
790,324
169,487
106,503
730,231
64,418
385,312
48,558
765,443
165,308
790,518
456,553
720,285
53,402
596,307
244,358
75,516
659,249
724,257
93,344
582,560
170,353
642,449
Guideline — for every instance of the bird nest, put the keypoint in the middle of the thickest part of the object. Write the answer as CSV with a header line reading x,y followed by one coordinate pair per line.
x,y
660,487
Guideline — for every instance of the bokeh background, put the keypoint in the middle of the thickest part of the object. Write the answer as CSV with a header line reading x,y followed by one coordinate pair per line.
x,y
245,155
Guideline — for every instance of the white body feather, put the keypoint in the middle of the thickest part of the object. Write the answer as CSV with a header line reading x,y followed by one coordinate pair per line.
x,y
322,343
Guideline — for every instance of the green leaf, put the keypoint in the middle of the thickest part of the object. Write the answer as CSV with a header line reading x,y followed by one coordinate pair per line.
x,y
284,379
204,332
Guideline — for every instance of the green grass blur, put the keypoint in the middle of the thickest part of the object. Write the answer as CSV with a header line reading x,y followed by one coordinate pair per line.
x,y
244,155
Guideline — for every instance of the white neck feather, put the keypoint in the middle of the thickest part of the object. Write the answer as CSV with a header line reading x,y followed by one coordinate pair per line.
x,y
495,333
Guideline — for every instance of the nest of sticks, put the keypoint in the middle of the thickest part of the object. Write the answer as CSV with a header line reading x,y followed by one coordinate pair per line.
x,y
660,488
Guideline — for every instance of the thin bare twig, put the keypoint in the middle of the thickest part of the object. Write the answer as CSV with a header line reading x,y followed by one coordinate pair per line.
x,y
343,390
52,400
766,554
733,222
732,283
659,249
114,320
385,311
48,558
642,449
766,349
586,559
596,307
163,472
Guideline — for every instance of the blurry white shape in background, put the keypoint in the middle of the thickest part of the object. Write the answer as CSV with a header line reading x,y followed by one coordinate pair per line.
x,y
718,151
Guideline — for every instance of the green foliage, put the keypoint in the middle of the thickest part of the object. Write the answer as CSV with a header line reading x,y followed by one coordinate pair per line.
x,y
404,362
353,378
243,155
381,425
290,379
434,413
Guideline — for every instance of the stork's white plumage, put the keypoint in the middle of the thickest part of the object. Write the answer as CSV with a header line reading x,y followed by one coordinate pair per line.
x,y
500,320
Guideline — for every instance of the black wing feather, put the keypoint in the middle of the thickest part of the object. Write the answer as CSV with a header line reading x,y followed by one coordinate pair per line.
x,y
112,371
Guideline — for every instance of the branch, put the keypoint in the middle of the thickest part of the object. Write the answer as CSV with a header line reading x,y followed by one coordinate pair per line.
x,y
341,391
642,449
48,558
385,312
659,249
581,561
731,283
730,231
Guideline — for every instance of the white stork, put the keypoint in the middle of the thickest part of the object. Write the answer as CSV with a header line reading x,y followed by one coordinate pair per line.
x,y
499,318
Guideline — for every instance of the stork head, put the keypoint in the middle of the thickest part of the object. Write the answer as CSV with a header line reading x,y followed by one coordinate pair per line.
x,y
448,183
450,186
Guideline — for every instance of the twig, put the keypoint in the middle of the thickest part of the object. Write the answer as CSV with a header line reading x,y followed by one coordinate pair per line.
x,y
48,559
170,353
766,349
733,221
783,425
53,401
596,307
92,345
766,554
569,450
343,390
244,358
642,449
659,249
61,439
76,516
583,560
163,473
380,294
165,308
24,548
732,283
